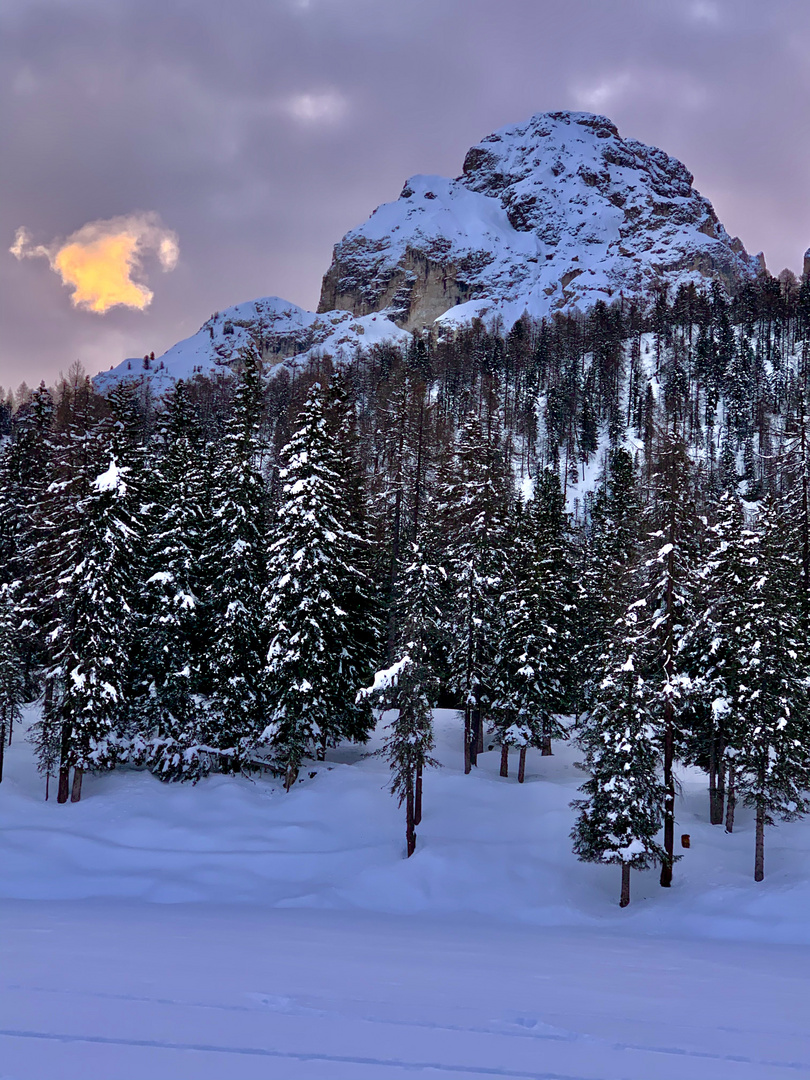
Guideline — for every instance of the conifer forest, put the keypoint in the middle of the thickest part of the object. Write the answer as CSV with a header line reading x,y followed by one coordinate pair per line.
x,y
593,528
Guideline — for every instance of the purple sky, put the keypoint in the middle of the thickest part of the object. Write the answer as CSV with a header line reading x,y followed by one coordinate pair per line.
x,y
262,130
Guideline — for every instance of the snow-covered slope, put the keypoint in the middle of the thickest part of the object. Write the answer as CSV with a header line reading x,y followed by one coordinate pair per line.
x,y
278,329
554,213
486,847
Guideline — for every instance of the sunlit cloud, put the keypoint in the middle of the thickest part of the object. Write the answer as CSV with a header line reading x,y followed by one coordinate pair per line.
x,y
103,261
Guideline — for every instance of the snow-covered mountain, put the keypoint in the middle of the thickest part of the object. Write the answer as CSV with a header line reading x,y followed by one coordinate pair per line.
x,y
549,215
279,329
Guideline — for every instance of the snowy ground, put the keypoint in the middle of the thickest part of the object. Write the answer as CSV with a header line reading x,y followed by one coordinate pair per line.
x,y
122,991
231,930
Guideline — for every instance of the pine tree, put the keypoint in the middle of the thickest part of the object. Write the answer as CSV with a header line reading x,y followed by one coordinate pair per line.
x,y
96,630
611,557
773,764
622,812
410,686
473,505
12,685
235,569
537,637
713,652
663,583
170,709
312,603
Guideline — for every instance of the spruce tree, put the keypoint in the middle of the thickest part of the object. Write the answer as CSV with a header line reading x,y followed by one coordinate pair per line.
x,y
96,629
234,564
773,764
621,815
474,499
410,686
12,684
537,636
713,653
312,601
171,713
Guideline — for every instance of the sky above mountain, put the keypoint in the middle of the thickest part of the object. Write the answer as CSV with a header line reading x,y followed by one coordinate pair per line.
x,y
164,159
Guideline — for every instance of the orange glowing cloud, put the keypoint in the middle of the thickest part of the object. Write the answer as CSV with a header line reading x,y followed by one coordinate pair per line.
x,y
103,261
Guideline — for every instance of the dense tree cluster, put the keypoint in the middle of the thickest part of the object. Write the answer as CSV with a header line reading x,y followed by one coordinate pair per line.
x,y
593,527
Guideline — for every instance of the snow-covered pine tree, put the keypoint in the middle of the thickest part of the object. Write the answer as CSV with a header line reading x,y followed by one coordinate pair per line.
x,y
773,766
235,569
311,679
473,503
169,704
60,540
121,438
23,480
621,815
714,652
536,643
611,554
664,583
96,629
410,685
361,599
12,684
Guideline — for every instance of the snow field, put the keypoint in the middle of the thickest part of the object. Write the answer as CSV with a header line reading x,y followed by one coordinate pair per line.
x,y
486,847
120,991
289,939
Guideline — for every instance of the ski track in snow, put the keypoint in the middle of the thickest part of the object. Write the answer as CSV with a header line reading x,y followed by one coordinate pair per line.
x,y
359,995
313,951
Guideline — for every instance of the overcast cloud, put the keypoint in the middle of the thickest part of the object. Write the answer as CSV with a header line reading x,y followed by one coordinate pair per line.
x,y
259,131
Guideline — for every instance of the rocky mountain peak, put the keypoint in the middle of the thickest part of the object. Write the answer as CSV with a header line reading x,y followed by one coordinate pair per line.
x,y
551,214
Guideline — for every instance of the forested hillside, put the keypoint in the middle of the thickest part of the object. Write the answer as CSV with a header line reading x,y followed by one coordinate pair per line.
x,y
589,527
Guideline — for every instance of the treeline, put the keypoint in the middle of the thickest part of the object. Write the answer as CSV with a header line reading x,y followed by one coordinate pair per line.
x,y
592,526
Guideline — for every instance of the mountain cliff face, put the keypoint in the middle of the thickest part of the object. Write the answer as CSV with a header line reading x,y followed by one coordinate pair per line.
x,y
551,214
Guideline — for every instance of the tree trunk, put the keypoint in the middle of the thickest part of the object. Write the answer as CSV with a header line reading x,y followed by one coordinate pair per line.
x,y
479,744
417,808
721,779
715,798
2,749
731,802
522,765
290,777
545,747
625,897
47,784
669,800
759,857
410,832
504,760
64,767
467,747
76,791
475,734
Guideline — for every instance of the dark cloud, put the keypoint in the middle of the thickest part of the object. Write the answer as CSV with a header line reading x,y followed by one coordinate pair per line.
x,y
261,131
